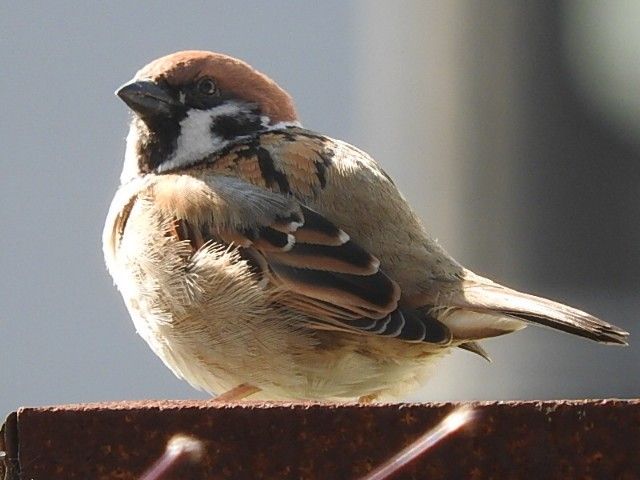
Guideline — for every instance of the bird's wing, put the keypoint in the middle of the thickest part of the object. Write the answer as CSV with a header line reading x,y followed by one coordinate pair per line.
x,y
317,268
342,182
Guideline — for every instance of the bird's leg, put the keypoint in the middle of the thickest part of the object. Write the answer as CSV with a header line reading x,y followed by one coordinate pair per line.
x,y
237,393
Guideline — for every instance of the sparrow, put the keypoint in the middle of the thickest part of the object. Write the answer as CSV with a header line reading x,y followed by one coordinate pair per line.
x,y
260,259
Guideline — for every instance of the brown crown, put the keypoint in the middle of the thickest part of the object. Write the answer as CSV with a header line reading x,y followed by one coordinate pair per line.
x,y
230,74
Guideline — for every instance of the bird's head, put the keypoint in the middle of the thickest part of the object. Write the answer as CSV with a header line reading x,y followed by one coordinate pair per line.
x,y
189,105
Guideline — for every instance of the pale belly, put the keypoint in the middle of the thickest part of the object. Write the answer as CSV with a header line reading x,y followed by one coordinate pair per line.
x,y
290,363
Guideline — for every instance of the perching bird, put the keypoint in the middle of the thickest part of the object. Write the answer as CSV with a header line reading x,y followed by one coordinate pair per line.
x,y
260,258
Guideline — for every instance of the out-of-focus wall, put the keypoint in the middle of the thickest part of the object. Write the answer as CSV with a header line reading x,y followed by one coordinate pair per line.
x,y
480,110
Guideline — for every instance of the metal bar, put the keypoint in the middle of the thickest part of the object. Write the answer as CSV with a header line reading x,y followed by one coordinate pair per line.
x,y
556,439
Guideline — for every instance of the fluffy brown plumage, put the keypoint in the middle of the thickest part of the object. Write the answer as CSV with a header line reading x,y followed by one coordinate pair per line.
x,y
253,252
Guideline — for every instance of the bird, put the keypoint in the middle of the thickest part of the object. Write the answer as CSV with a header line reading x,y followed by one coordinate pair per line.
x,y
263,260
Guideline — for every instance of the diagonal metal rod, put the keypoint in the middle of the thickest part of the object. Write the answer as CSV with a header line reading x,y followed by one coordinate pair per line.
x,y
452,422
181,449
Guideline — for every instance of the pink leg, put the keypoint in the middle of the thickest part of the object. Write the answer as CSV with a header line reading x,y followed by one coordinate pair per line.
x,y
237,393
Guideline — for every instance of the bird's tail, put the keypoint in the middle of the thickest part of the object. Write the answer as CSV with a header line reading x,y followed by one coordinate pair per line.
x,y
504,310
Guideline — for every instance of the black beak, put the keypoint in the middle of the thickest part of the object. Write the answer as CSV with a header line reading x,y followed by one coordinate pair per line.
x,y
147,99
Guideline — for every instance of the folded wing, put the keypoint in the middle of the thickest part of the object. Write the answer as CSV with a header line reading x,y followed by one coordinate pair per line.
x,y
321,271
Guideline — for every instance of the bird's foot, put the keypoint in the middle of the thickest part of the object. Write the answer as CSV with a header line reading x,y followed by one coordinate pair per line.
x,y
370,398
240,392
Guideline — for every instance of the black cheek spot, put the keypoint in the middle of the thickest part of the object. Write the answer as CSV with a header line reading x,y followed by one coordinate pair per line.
x,y
230,127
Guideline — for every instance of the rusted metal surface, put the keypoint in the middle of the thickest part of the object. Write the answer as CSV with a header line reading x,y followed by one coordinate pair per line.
x,y
561,439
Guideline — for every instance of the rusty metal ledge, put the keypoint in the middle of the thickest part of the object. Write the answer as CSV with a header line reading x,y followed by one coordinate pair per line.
x,y
555,439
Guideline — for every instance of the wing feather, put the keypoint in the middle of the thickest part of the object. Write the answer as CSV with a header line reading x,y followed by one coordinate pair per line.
x,y
324,274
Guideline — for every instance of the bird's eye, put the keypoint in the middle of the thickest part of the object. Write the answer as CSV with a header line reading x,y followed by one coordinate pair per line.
x,y
206,86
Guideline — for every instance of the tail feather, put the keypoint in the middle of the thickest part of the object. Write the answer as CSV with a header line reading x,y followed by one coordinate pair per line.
x,y
483,295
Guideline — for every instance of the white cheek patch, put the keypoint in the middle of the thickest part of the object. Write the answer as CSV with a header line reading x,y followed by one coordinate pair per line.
x,y
196,140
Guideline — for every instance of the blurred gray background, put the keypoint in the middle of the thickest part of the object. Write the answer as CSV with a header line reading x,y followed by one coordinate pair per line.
x,y
512,127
